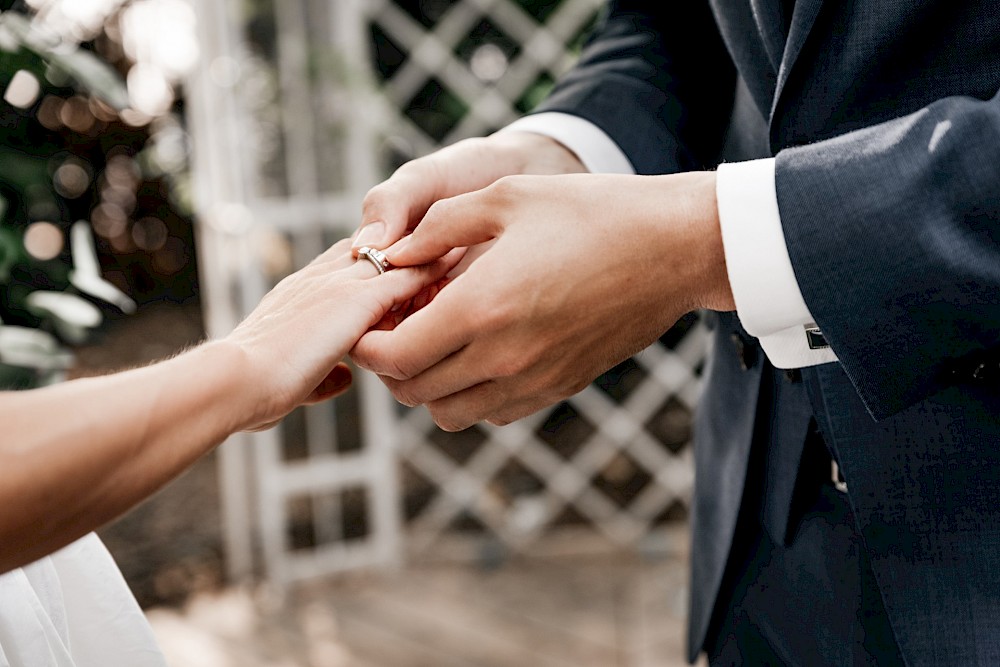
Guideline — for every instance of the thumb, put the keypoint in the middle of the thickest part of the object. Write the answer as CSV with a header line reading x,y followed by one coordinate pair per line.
x,y
394,206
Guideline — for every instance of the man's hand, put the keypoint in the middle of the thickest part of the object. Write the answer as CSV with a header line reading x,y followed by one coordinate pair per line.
x,y
586,270
396,206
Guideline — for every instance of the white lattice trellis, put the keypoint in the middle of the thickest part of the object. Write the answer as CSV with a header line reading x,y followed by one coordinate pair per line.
x,y
431,56
289,135
618,430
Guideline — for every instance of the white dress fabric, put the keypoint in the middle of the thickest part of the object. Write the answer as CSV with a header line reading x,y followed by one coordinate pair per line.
x,y
73,609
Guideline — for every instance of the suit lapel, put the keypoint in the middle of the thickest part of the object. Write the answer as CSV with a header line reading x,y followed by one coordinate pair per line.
x,y
767,15
803,17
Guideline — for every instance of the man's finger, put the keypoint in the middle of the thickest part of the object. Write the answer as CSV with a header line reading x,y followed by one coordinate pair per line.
x,y
398,285
462,221
419,342
494,402
458,372
460,411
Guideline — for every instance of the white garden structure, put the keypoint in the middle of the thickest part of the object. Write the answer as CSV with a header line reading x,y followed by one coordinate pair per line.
x,y
292,122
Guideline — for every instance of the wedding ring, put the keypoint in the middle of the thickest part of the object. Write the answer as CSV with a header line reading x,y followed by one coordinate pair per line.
x,y
376,257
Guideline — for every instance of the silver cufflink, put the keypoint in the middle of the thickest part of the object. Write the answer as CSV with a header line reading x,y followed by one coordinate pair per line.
x,y
815,338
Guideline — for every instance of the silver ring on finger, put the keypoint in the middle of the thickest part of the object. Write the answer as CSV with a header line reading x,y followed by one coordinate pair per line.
x,y
376,257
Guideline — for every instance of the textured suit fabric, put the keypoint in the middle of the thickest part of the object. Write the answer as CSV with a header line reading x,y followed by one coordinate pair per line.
x,y
642,80
725,428
884,117
812,601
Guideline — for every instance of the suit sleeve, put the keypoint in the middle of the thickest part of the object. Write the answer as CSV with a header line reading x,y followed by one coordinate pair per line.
x,y
894,236
658,83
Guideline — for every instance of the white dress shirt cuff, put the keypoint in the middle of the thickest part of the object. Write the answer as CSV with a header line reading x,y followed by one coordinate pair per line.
x,y
767,295
597,151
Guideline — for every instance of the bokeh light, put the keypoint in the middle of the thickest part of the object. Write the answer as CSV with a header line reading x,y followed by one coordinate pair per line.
x,y
135,118
123,243
149,92
116,170
172,257
109,220
122,172
149,234
488,62
170,144
71,179
49,111
23,89
121,197
76,20
75,114
101,111
161,34
43,240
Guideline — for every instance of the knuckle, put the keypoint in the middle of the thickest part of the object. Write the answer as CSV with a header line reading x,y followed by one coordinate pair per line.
x,y
505,189
469,144
398,369
452,414
560,382
438,210
414,176
403,394
360,359
510,365
448,423
501,420
374,198
573,386
497,315
416,167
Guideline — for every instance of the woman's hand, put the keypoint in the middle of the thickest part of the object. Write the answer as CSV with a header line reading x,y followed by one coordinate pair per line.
x,y
119,437
292,343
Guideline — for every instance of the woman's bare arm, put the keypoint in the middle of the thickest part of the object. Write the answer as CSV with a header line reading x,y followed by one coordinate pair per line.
x,y
76,455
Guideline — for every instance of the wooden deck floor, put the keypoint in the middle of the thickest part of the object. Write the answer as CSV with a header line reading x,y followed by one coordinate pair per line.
x,y
617,611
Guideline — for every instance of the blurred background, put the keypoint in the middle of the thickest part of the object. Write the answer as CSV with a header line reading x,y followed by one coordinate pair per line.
x,y
164,162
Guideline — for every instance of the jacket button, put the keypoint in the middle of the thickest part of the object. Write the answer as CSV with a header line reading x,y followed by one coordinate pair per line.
x,y
746,353
986,371
981,370
793,375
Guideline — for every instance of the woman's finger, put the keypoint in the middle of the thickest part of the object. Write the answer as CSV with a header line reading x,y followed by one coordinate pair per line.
x,y
336,382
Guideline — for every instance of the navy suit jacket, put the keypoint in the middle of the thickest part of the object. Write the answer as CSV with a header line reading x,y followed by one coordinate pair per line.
x,y
884,117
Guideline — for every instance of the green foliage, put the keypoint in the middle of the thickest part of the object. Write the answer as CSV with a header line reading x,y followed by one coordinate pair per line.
x,y
49,299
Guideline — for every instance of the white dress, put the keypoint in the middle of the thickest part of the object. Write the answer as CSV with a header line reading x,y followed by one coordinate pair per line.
x,y
73,609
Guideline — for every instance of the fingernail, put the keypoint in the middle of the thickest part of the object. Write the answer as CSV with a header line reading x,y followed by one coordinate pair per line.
x,y
370,235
